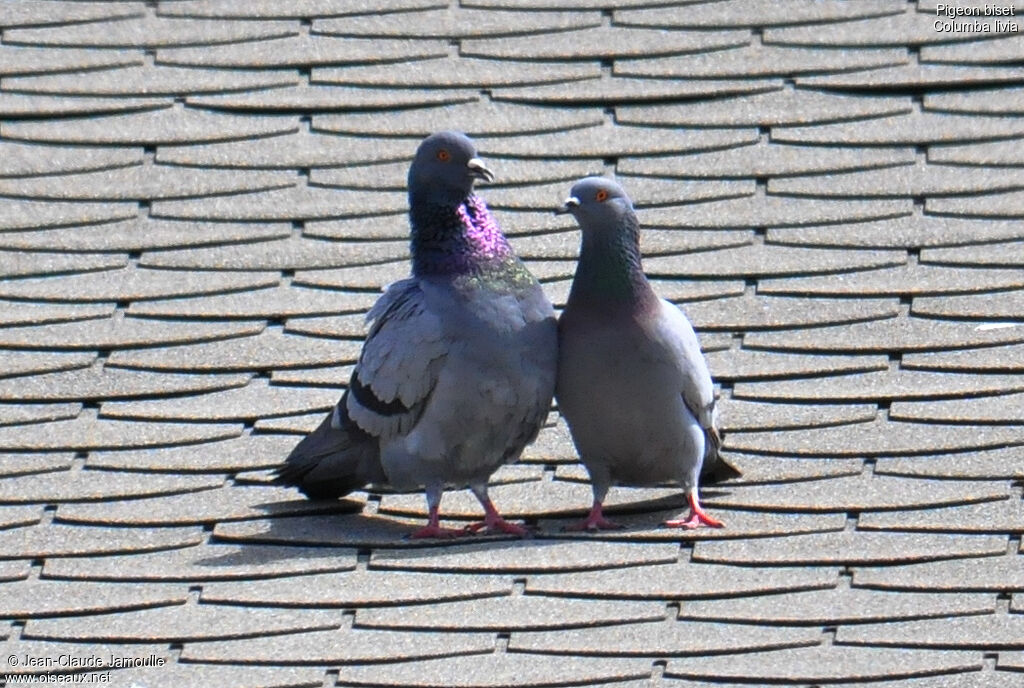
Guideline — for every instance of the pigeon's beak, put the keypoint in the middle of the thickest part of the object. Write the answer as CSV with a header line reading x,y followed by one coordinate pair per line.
x,y
567,205
477,170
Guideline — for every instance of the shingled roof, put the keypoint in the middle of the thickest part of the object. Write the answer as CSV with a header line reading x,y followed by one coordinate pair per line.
x,y
199,200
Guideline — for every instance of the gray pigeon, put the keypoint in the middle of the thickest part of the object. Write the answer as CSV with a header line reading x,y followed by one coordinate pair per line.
x,y
632,382
457,372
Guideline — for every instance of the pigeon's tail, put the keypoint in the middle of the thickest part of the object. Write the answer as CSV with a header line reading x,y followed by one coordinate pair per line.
x,y
333,460
716,469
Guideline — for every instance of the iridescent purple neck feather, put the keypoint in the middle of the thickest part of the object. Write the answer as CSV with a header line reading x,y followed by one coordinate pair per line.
x,y
456,240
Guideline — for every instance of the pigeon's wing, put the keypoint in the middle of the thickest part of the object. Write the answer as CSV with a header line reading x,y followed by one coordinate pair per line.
x,y
399,364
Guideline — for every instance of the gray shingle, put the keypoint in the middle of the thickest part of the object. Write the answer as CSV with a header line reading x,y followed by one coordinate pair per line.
x,y
779,107
50,652
375,277
280,302
892,335
477,118
118,332
751,13
226,676
27,159
360,588
97,382
149,80
297,9
18,414
989,153
183,622
25,214
627,89
921,179
246,403
780,211
16,60
229,503
983,101
740,415
291,253
31,13
55,540
759,60
166,126
453,23
566,245
495,670
911,231
144,182
89,485
17,105
827,664
1004,408
392,176
1006,462
862,493
294,203
132,284
242,453
605,42
849,548
892,384
760,260
303,50
753,312
527,557
878,438
663,639
52,598
445,71
987,51
909,27
142,234
913,279
994,306
510,613
746,364
682,580
28,314
990,358
988,631
14,363
836,606
149,31
1003,516
345,646
916,128
326,376
1007,204
326,98
15,516
298,149
991,573
199,563
616,141
87,432
19,263
270,349
916,76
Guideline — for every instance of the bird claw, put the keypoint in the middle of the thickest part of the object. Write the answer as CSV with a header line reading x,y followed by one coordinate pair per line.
x,y
499,525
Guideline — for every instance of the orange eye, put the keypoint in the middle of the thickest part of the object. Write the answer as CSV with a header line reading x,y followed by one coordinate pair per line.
x,y
443,155
601,195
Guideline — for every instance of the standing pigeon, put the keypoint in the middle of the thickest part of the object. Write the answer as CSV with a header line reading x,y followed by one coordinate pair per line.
x,y
458,370
632,382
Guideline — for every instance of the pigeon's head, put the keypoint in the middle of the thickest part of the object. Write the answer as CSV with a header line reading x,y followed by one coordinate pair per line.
x,y
597,202
446,166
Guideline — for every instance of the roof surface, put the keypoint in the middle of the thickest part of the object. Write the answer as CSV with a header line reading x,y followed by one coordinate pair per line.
x,y
200,199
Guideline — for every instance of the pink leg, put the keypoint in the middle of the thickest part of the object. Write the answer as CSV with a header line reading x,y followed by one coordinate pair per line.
x,y
433,528
698,517
595,520
494,523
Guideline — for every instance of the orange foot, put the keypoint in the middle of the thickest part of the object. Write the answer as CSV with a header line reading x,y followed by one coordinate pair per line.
x,y
594,521
697,518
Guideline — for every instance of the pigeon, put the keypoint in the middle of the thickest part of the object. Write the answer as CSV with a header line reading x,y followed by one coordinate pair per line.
x,y
632,383
457,373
